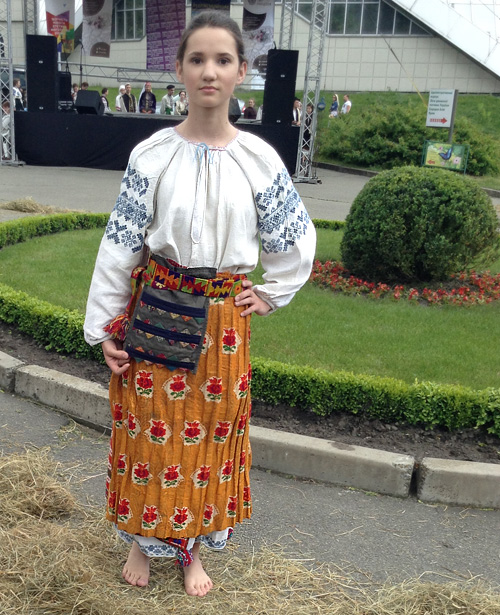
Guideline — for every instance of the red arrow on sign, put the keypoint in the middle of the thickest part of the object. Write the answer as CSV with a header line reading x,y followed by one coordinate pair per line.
x,y
438,121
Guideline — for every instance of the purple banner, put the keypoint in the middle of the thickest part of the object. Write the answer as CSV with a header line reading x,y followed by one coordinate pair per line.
x,y
165,22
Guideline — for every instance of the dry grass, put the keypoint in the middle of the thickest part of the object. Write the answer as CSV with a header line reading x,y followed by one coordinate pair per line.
x,y
73,568
29,206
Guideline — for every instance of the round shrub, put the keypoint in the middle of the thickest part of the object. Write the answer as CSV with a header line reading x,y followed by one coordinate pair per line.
x,y
418,224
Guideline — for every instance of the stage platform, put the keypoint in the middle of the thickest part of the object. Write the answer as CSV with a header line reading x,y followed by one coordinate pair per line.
x,y
105,141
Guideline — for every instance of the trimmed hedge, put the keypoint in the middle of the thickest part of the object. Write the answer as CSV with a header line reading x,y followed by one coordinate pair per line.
x,y
426,403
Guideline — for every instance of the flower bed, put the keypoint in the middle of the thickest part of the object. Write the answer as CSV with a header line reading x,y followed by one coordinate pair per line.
x,y
465,288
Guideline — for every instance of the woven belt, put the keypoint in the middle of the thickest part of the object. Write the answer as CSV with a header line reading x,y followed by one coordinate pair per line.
x,y
158,276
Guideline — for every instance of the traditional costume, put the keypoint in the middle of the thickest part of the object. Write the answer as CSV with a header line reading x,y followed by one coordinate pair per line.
x,y
128,103
147,102
180,454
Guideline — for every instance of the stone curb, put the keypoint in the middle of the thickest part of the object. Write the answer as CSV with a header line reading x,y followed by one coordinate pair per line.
x,y
460,483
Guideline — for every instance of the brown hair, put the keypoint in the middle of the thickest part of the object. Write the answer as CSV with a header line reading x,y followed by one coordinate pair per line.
x,y
212,19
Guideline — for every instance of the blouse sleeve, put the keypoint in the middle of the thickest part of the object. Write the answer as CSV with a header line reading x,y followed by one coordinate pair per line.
x,y
121,250
287,234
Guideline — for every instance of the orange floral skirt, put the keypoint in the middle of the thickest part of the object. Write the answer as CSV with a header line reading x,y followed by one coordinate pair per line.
x,y
180,453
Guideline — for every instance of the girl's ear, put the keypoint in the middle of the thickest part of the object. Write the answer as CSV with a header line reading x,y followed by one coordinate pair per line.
x,y
242,72
178,71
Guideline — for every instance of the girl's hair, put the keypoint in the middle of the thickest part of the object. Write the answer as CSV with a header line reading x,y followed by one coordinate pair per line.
x,y
212,19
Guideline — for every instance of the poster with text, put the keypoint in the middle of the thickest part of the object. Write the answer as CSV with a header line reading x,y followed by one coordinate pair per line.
x,y
165,22
445,156
61,23
258,33
96,35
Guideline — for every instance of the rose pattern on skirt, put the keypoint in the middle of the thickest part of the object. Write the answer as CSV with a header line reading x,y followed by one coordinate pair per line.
x,y
212,389
216,300
144,383
121,466
243,456
241,386
225,472
133,426
159,432
176,387
125,379
140,473
207,342
118,415
193,432
247,499
181,518
209,513
171,476
201,476
240,429
230,341
112,503
232,505
222,431
124,513
150,518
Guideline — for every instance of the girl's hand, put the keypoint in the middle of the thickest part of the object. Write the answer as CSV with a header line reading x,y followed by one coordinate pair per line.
x,y
254,302
117,359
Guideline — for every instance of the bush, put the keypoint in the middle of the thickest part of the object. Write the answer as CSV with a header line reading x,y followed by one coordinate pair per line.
x,y
393,136
418,224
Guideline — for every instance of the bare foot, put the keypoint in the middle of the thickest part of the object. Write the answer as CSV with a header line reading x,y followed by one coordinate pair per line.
x,y
196,580
136,569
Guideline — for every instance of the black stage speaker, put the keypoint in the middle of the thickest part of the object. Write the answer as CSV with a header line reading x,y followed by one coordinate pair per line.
x,y
65,100
279,89
41,73
89,101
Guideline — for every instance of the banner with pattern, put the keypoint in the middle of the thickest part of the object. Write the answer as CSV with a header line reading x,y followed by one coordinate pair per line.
x,y
258,33
96,35
165,22
61,23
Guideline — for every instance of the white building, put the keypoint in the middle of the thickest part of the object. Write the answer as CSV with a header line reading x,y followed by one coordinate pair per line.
x,y
371,45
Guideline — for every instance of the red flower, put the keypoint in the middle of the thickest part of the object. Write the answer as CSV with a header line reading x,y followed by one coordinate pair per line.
x,y
157,429
141,471
178,384
144,381
230,338
243,457
172,473
121,463
112,499
208,513
227,470
242,422
246,494
243,383
131,422
232,503
181,517
222,429
118,414
192,430
123,508
204,474
150,515
215,386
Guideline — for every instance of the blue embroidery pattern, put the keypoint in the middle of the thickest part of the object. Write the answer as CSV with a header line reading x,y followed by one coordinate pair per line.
x,y
130,214
282,218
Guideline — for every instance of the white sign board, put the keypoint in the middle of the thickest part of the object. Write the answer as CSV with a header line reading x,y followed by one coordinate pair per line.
x,y
440,108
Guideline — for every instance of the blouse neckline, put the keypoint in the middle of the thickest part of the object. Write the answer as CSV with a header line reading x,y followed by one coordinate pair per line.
x,y
219,148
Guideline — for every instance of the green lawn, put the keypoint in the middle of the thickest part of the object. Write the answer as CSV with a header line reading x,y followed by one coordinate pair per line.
x,y
443,344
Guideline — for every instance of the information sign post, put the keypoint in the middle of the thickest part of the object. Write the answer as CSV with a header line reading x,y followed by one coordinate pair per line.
x,y
441,110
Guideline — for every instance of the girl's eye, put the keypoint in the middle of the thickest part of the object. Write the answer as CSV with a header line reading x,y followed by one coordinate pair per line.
x,y
224,61
195,60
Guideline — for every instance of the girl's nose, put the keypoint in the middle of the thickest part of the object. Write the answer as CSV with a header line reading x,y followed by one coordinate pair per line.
x,y
209,70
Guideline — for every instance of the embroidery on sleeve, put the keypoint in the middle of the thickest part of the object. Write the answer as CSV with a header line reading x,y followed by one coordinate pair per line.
x,y
130,214
282,217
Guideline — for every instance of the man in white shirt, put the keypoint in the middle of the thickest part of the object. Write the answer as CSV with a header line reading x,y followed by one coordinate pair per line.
x,y
121,92
346,107
296,112
168,102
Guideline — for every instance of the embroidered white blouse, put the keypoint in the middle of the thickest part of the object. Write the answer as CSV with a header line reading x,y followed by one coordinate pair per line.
x,y
203,206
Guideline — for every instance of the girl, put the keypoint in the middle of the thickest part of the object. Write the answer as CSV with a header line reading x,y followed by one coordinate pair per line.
x,y
196,198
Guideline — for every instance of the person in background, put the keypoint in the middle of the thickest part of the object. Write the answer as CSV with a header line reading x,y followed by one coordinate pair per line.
x,y
18,95
181,106
118,101
250,112
6,147
128,102
346,107
85,85
104,98
147,100
74,91
296,112
167,102
334,109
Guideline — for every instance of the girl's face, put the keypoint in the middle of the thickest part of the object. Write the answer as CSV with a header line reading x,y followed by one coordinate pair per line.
x,y
210,68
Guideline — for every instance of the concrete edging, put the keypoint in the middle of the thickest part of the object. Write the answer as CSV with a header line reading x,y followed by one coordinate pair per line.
x,y
453,482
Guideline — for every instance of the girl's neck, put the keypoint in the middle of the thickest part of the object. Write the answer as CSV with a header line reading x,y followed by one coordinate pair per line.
x,y
204,126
